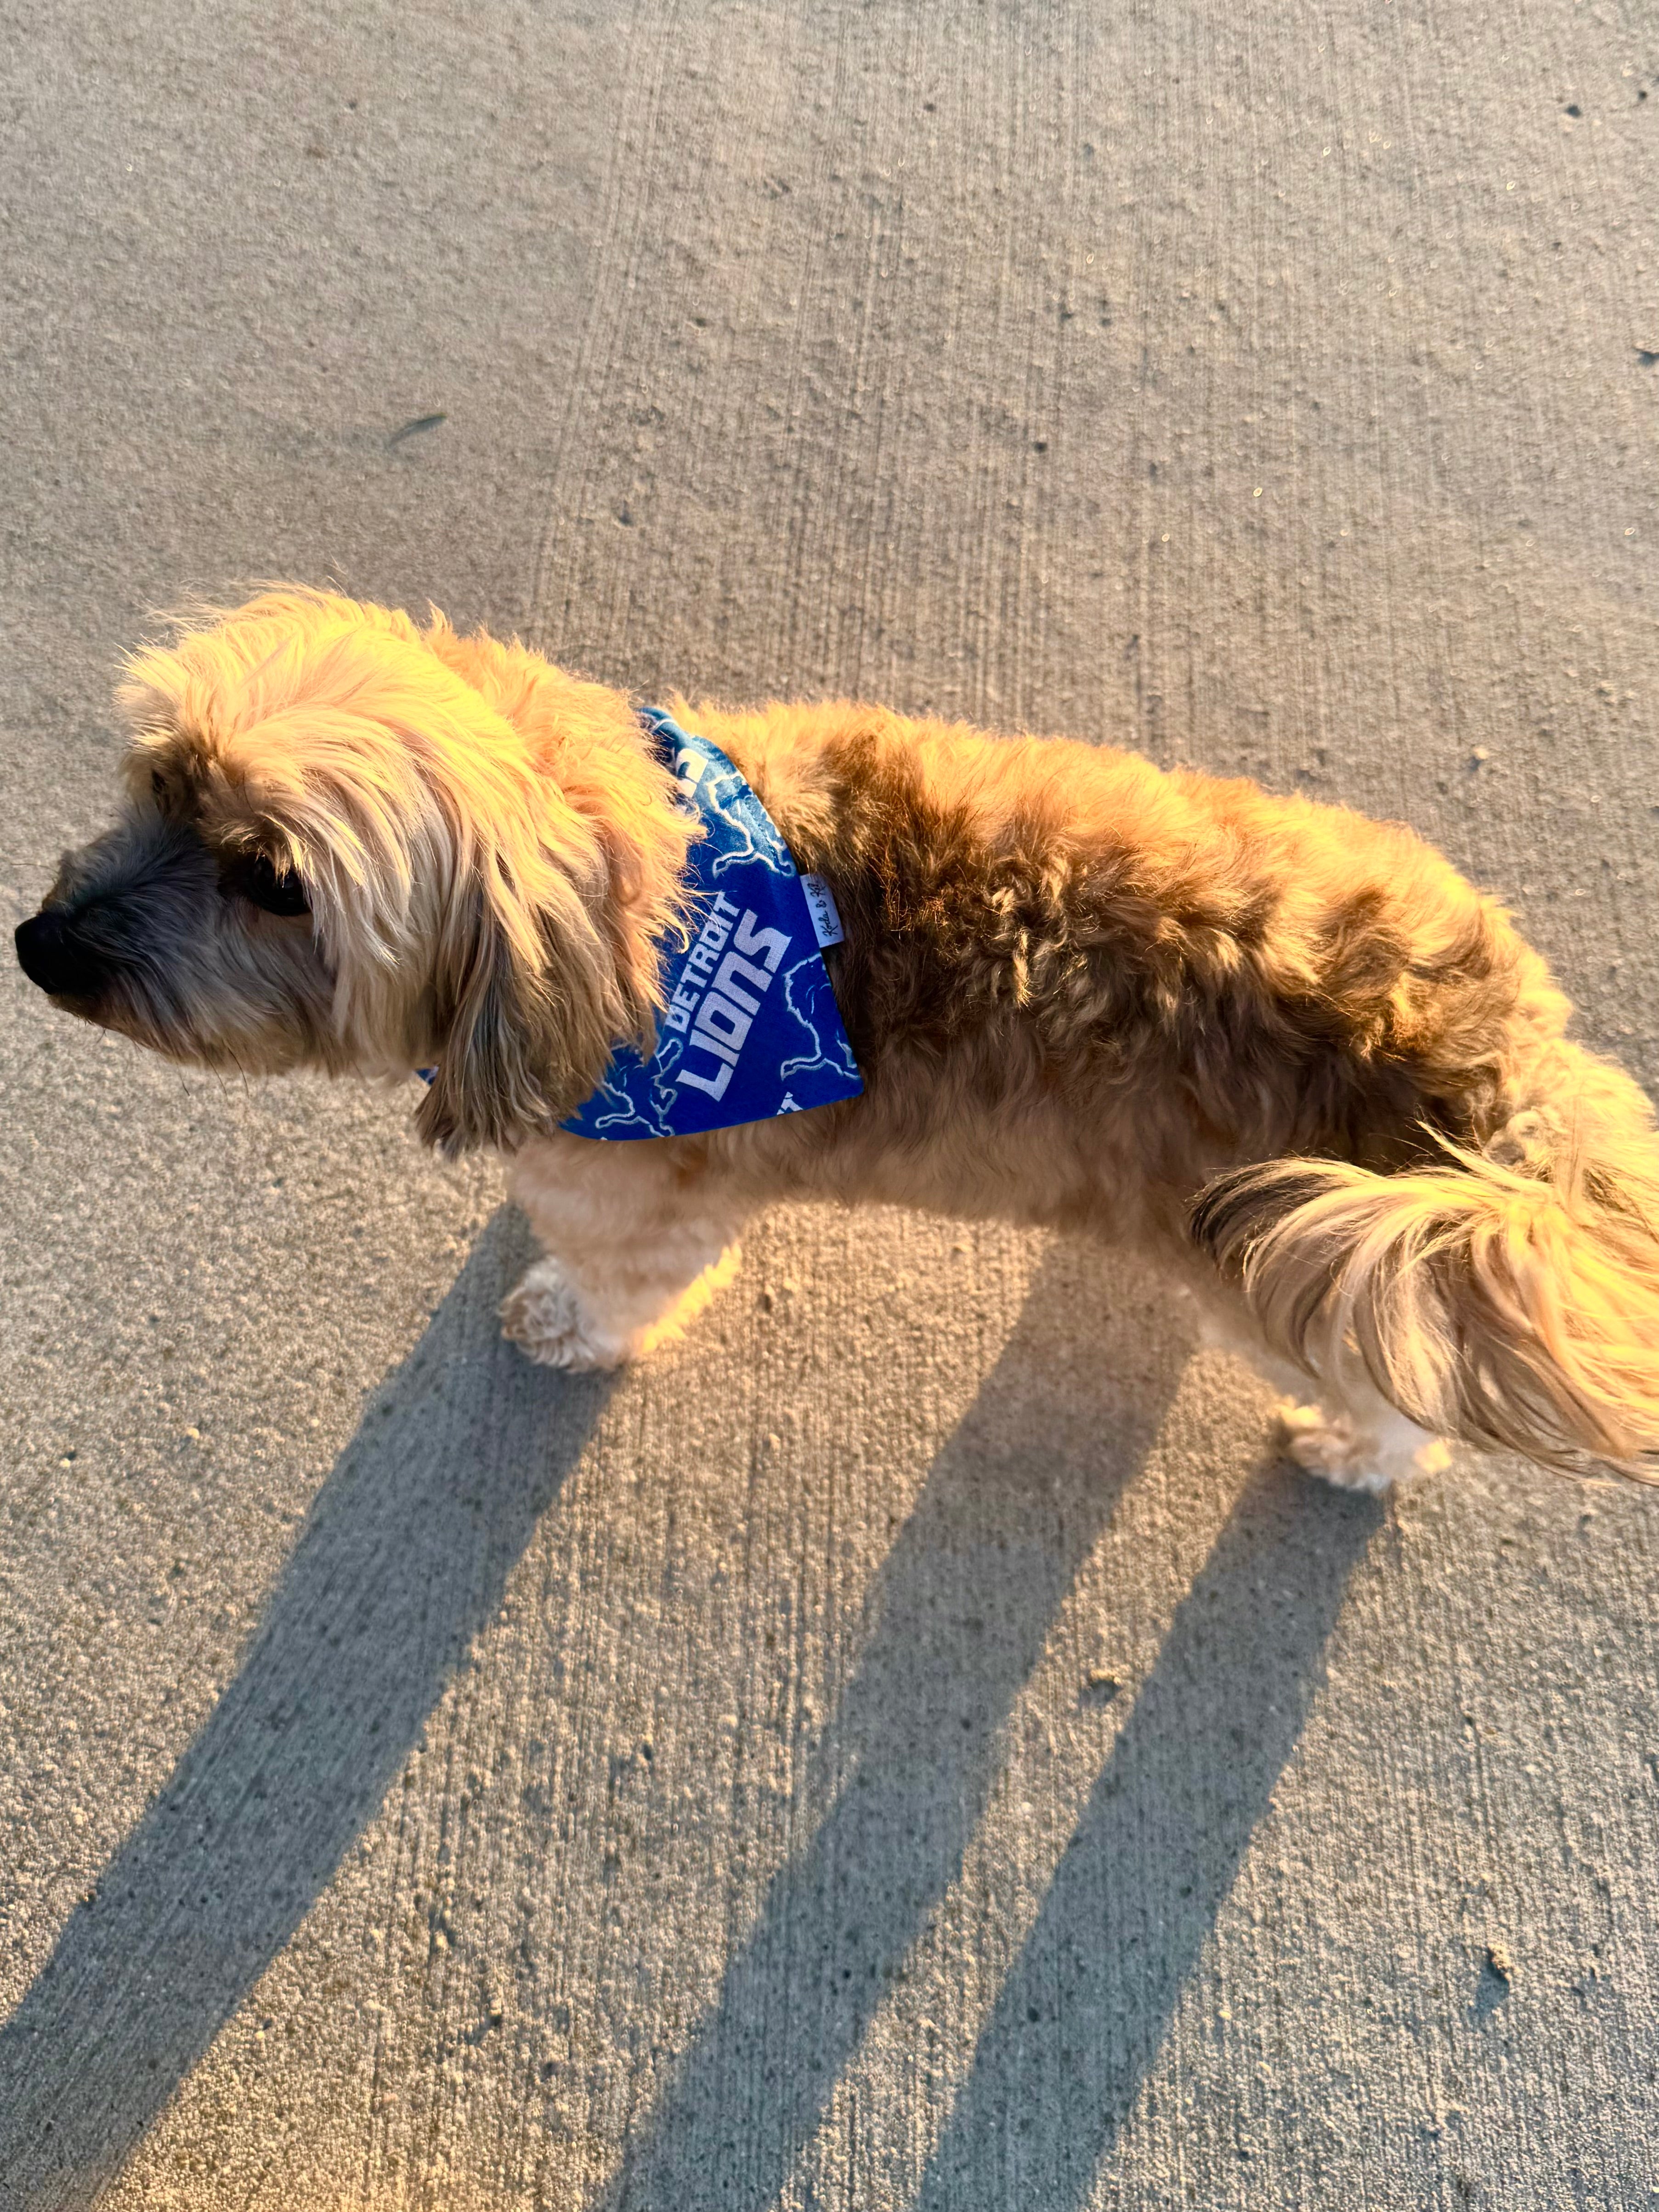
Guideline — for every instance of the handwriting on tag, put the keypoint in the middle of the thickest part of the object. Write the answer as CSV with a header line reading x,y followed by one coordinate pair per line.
x,y
821,905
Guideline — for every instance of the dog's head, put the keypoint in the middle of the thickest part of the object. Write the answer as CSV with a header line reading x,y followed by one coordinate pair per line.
x,y
354,843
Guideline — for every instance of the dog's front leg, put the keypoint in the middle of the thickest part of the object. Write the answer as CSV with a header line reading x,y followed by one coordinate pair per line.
x,y
639,1238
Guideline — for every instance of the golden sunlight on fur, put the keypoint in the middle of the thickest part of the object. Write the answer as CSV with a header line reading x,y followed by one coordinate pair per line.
x,y
1287,1051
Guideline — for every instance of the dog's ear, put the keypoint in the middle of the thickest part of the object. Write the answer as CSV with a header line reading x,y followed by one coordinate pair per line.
x,y
485,882
524,1016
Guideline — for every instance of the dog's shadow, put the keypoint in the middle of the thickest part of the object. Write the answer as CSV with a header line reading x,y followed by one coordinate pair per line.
x,y
1011,1507
1083,2013
401,1561
404,1560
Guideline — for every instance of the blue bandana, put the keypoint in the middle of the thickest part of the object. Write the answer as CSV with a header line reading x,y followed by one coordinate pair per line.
x,y
750,1029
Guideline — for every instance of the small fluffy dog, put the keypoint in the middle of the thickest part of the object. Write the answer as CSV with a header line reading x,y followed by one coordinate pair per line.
x,y
1287,1052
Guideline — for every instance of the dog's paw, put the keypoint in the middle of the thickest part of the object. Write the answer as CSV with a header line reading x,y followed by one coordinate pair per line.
x,y
542,1314
1330,1446
1349,1456
546,1316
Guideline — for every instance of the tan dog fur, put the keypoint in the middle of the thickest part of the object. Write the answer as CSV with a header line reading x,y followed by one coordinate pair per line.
x,y
1288,1052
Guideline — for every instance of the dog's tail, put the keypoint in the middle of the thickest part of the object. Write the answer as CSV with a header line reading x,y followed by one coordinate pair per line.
x,y
1507,1296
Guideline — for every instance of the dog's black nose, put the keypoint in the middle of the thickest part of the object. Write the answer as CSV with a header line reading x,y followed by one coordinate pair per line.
x,y
51,953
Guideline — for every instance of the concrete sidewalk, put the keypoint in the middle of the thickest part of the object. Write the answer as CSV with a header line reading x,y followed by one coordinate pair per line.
x,y
911,1746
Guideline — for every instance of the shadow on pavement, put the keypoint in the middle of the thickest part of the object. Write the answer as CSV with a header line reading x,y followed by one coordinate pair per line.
x,y
401,1561
961,1611
1085,2006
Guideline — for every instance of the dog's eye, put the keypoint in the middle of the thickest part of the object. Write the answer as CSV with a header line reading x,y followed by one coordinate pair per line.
x,y
255,877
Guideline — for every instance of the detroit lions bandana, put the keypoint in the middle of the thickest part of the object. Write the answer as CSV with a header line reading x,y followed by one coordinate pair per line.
x,y
750,1029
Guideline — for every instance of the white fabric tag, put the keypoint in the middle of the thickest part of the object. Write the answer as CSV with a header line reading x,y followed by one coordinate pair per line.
x,y
821,905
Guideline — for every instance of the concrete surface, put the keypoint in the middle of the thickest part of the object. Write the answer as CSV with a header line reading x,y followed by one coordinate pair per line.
x,y
912,1745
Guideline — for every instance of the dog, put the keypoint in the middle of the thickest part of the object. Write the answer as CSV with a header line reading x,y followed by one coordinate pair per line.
x,y
1285,1051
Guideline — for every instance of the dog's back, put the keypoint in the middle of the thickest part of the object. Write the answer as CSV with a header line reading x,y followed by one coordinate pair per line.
x,y
1271,974
1322,1058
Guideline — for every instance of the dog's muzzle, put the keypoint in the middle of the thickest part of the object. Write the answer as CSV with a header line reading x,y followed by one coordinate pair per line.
x,y
52,952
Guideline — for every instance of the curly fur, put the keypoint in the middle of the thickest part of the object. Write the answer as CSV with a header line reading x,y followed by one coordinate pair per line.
x,y
1288,1050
